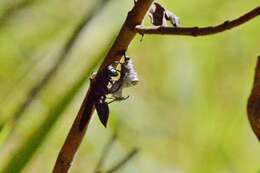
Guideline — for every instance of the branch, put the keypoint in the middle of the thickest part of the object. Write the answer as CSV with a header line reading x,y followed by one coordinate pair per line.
x,y
253,106
124,38
199,31
122,162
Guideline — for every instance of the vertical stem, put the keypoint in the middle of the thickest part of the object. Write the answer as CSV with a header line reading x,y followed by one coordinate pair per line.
x,y
74,138
124,38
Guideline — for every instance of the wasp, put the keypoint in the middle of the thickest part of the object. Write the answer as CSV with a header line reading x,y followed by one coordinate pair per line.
x,y
100,88
103,80
108,82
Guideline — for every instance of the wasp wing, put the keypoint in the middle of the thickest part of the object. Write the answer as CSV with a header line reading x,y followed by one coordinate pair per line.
x,y
103,112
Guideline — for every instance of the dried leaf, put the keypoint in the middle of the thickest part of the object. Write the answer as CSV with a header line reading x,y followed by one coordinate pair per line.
x,y
159,16
175,21
253,106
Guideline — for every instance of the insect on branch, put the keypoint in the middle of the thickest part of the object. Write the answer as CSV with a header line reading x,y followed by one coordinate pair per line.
x,y
123,40
95,96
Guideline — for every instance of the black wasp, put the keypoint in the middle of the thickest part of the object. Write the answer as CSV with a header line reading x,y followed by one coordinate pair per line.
x,y
103,80
107,82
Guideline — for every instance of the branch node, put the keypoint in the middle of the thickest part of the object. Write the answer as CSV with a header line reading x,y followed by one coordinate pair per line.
x,y
194,31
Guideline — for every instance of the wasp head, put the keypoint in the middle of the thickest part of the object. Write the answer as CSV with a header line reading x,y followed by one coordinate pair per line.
x,y
111,71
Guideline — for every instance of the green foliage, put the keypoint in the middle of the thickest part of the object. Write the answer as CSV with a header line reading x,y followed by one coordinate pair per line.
x,y
24,153
5,130
188,113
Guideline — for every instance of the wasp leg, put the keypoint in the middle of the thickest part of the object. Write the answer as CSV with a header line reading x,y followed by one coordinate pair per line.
x,y
119,99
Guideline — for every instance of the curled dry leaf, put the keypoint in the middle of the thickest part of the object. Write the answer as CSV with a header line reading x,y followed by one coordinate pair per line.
x,y
175,21
159,16
253,106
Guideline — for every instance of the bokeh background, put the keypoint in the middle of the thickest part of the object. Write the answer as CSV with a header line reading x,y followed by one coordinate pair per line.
x,y
187,115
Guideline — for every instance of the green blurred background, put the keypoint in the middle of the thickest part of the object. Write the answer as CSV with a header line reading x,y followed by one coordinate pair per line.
x,y
187,115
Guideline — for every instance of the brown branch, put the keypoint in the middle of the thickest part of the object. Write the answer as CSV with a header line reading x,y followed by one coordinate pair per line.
x,y
124,38
122,162
253,106
199,31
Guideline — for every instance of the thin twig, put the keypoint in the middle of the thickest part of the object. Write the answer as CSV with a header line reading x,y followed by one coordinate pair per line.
x,y
122,162
253,105
105,152
199,31
124,38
